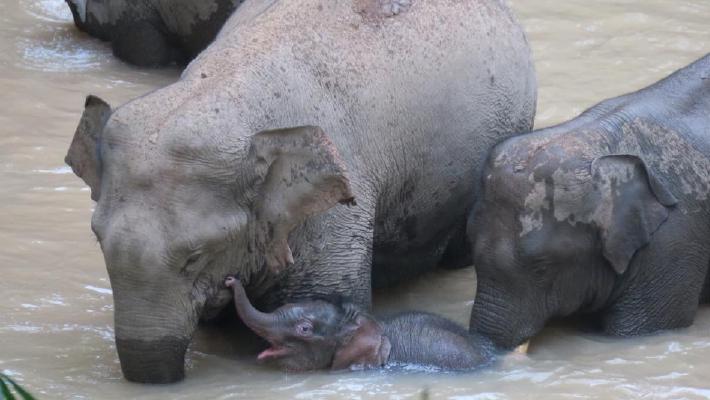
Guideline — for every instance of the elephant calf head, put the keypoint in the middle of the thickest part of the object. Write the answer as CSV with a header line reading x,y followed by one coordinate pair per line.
x,y
182,201
313,335
553,230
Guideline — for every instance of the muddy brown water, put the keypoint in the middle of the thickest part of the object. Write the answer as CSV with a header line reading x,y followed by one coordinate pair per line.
x,y
56,334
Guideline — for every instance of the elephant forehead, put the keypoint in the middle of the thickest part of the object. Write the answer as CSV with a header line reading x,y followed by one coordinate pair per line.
x,y
545,150
131,160
571,193
559,190
535,203
315,310
170,151
517,152
183,112
159,174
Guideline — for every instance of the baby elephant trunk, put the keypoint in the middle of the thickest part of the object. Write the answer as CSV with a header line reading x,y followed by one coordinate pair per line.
x,y
263,324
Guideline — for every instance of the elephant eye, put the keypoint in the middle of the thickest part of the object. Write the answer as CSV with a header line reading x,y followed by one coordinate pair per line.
x,y
190,263
192,259
304,328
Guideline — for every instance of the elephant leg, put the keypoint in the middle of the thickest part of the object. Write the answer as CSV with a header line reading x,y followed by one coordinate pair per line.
x,y
397,260
663,290
144,43
458,253
392,265
705,295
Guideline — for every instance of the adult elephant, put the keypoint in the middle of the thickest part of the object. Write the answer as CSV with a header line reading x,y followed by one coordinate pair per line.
x,y
298,106
604,216
153,32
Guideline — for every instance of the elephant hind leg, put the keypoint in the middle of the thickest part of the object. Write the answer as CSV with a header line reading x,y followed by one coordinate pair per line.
x,y
392,265
145,43
458,253
399,260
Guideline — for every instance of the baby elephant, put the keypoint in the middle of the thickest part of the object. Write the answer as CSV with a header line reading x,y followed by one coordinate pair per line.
x,y
331,334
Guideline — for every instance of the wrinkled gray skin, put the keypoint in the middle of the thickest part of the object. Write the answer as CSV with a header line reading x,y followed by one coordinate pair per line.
x,y
296,107
323,334
153,32
605,216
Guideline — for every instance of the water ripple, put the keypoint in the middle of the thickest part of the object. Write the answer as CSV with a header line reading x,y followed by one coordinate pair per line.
x,y
58,170
62,50
47,10
98,289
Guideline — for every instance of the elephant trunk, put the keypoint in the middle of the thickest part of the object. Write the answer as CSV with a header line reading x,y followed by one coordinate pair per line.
x,y
152,336
507,324
263,324
155,310
152,346
152,361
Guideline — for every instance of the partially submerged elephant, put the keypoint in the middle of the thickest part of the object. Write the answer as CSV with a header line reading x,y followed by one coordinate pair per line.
x,y
153,32
607,216
389,107
335,334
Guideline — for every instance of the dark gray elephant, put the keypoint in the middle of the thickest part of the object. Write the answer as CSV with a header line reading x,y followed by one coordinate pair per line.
x,y
153,32
333,334
297,106
605,216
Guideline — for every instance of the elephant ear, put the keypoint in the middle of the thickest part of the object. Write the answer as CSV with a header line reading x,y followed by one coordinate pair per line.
x,y
633,204
361,342
302,175
83,156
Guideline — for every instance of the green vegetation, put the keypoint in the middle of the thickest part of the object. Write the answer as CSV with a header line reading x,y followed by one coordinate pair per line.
x,y
8,387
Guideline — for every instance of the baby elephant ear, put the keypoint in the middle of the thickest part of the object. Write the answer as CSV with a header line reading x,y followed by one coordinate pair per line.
x,y
362,344
83,157
632,206
301,175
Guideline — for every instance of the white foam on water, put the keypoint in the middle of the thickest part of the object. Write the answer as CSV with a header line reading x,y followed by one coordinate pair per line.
x,y
99,289
57,170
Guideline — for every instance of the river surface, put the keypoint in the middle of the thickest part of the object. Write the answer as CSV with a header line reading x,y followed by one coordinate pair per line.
x,y
56,329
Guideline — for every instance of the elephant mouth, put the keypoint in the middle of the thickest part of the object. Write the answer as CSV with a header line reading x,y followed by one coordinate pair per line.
x,y
275,351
